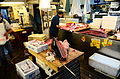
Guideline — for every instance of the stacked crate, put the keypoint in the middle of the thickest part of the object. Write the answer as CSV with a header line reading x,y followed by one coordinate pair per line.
x,y
63,73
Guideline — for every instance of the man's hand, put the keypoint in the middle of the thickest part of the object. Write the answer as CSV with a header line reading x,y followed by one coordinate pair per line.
x,y
6,35
58,26
8,32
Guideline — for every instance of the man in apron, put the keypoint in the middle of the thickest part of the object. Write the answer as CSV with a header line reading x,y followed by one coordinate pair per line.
x,y
5,29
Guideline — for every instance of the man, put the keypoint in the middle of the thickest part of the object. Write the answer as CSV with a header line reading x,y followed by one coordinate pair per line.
x,y
55,24
5,29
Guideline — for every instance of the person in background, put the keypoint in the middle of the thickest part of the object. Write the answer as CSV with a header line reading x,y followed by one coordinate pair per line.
x,y
78,17
33,23
5,29
55,24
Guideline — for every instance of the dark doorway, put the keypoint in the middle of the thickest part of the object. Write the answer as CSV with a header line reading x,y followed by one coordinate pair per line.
x,y
37,18
5,13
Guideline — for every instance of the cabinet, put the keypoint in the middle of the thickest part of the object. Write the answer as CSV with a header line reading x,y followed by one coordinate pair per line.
x,y
21,36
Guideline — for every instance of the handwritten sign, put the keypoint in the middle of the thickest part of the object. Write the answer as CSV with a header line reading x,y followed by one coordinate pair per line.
x,y
95,42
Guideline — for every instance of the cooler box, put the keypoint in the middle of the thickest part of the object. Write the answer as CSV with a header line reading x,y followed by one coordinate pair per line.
x,y
27,70
110,22
36,46
105,64
46,68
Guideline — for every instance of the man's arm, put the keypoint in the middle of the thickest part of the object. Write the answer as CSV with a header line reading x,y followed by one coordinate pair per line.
x,y
8,32
8,29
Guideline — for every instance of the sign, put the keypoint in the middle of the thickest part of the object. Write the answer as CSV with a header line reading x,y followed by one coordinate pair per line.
x,y
106,42
83,38
95,43
114,5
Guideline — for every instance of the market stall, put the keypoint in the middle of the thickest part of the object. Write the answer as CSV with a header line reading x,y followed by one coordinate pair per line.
x,y
83,42
93,41
63,60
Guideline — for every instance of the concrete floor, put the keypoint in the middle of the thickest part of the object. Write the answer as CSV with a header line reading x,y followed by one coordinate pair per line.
x,y
87,72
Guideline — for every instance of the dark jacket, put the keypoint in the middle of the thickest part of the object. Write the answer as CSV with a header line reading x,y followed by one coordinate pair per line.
x,y
53,27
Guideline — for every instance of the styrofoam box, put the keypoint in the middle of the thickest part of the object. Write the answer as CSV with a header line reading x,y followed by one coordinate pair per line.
x,y
110,22
36,49
96,23
33,74
47,69
105,64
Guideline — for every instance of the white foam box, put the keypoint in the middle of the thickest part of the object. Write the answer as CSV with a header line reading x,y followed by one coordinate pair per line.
x,y
33,74
105,64
96,23
36,49
110,22
47,69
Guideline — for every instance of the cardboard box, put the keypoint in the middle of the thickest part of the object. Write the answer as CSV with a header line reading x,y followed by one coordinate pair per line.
x,y
40,37
33,73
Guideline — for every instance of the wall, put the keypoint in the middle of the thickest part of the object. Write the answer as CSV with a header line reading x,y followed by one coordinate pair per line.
x,y
14,0
21,9
18,8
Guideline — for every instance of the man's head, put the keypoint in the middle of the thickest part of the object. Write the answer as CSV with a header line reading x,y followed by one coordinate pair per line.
x,y
60,14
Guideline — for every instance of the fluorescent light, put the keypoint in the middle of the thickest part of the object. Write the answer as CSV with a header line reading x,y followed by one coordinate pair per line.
x,y
11,2
44,4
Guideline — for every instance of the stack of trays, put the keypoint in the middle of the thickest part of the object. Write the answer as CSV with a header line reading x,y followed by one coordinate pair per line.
x,y
40,37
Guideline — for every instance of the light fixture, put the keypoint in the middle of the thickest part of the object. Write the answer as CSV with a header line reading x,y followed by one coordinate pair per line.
x,y
43,4
11,2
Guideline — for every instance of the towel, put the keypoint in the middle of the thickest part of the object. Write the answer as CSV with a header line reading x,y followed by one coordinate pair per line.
x,y
76,8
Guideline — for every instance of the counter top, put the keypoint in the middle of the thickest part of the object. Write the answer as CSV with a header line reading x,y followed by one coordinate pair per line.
x,y
56,64
17,30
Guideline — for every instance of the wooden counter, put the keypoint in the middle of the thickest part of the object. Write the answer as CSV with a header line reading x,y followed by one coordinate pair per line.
x,y
17,30
21,35
56,64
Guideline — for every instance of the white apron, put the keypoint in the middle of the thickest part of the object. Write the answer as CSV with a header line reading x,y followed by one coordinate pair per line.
x,y
2,32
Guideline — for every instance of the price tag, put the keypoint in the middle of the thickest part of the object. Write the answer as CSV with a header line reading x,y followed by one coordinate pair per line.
x,y
107,42
95,43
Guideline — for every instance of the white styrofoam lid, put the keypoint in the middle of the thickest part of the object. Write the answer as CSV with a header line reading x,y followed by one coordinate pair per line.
x,y
105,60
